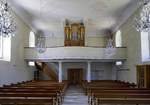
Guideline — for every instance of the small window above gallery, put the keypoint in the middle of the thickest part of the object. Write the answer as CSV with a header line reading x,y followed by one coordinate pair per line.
x,y
118,39
32,39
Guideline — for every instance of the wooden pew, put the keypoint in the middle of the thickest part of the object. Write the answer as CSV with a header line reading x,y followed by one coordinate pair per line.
x,y
28,98
12,95
35,92
121,98
115,92
105,83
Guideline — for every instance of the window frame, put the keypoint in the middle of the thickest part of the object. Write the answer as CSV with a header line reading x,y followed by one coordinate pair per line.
x,y
1,47
118,39
31,63
145,47
5,48
149,43
32,39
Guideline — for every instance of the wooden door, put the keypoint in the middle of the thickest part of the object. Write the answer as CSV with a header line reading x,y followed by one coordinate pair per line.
x,y
75,76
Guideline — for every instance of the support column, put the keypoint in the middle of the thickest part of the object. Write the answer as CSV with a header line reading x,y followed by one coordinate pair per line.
x,y
60,72
88,71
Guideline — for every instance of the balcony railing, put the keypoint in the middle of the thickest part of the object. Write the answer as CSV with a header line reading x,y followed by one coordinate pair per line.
x,y
62,53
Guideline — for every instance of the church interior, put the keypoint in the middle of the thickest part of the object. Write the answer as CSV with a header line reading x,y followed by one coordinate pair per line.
x,y
74,52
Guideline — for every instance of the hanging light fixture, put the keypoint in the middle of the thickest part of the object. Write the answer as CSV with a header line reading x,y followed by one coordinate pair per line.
x,y
7,23
142,23
110,49
40,37
40,42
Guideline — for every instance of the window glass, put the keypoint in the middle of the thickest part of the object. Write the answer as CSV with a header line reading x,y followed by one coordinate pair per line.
x,y
118,39
145,48
31,63
1,46
32,39
119,63
5,48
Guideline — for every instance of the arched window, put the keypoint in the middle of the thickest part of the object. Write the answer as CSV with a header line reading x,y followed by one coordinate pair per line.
x,y
145,46
5,48
1,46
32,39
118,39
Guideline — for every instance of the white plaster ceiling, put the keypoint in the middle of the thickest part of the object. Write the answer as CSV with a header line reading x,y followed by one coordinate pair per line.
x,y
98,15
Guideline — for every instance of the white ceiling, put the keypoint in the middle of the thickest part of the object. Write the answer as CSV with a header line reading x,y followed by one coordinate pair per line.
x,y
98,15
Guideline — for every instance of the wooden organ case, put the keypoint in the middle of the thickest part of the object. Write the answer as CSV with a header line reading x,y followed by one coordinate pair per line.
x,y
74,34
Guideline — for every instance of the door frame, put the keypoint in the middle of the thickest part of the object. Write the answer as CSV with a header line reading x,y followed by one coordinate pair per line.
x,y
80,70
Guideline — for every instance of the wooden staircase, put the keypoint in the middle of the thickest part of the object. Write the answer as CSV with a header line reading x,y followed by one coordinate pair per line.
x,y
42,66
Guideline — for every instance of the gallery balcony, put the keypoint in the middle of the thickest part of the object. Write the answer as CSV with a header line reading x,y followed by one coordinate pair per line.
x,y
76,53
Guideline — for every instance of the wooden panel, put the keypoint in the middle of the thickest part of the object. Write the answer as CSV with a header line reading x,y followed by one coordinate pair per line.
x,y
75,76
143,76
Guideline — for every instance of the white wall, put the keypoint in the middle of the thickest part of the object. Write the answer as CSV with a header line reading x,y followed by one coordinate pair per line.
x,y
106,68
101,71
16,70
131,39
96,41
53,41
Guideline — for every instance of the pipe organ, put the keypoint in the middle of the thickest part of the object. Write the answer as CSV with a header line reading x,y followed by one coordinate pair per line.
x,y
74,34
